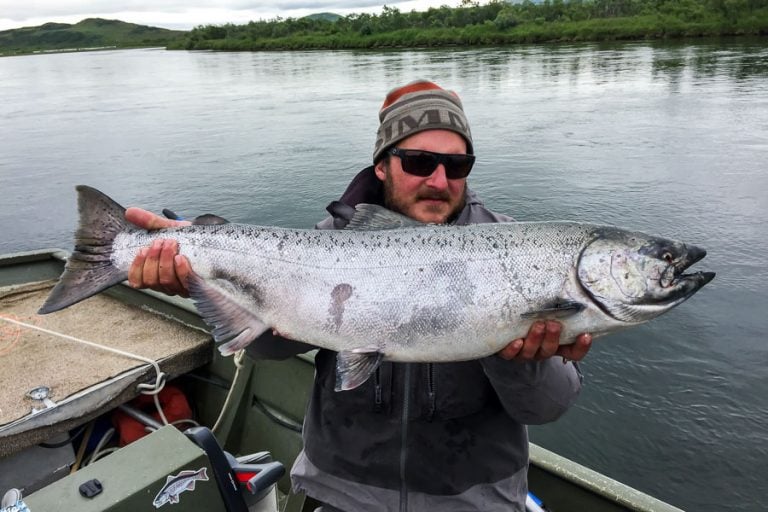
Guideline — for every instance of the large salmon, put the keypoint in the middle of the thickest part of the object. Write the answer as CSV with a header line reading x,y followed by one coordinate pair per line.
x,y
389,288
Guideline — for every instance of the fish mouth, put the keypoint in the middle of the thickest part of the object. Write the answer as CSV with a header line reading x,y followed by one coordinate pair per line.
x,y
681,284
695,280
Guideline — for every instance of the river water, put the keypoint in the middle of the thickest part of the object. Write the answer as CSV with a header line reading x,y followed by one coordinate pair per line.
x,y
666,138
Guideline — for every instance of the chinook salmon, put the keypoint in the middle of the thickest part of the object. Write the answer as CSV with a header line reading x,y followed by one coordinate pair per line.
x,y
390,288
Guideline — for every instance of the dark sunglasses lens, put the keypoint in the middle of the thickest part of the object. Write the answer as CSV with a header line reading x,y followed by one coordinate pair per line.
x,y
457,167
419,164
424,163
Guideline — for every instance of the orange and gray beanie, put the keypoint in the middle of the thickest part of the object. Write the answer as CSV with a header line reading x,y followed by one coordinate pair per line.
x,y
416,107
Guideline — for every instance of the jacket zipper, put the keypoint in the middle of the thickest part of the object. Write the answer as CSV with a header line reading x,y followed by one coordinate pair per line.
x,y
431,391
404,438
377,402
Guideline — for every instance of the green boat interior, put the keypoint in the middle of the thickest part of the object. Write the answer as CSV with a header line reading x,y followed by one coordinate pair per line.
x,y
71,377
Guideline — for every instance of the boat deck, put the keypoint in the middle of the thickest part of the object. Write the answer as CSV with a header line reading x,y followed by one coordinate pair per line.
x,y
84,380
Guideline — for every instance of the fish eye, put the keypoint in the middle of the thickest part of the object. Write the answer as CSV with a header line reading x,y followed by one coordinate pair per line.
x,y
667,256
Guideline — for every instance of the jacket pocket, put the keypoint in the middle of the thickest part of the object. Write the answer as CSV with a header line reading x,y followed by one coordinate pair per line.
x,y
452,390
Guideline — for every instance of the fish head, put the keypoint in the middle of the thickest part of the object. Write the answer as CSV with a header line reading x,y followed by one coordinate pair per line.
x,y
161,500
634,277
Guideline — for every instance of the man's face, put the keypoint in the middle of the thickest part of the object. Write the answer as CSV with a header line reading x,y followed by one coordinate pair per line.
x,y
430,199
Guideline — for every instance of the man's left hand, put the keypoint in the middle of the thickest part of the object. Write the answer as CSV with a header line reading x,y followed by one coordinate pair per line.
x,y
543,342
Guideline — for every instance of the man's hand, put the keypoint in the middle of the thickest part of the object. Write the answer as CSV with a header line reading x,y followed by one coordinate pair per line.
x,y
543,341
159,266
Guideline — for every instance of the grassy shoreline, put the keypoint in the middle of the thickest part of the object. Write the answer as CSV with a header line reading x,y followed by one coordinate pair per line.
x,y
494,24
592,31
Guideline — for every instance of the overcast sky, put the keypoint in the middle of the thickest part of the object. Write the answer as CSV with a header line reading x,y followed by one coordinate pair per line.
x,y
186,14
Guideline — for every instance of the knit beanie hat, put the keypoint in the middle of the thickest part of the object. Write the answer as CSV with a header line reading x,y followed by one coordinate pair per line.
x,y
416,107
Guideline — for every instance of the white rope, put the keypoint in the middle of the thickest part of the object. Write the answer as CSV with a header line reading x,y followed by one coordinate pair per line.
x,y
238,360
99,451
145,389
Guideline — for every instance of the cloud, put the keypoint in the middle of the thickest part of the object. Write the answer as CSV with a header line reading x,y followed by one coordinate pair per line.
x,y
319,4
19,11
182,14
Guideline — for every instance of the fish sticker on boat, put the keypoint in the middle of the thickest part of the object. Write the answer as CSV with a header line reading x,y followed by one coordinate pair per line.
x,y
388,288
175,485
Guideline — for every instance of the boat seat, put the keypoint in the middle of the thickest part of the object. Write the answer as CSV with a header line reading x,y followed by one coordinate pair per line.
x,y
241,485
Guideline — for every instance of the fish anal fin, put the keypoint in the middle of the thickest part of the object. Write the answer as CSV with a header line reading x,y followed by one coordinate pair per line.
x,y
354,367
558,308
216,300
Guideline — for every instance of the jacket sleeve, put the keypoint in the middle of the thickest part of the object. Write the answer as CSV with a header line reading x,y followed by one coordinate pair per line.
x,y
535,392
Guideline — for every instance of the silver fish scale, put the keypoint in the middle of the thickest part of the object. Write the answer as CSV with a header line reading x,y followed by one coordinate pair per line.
x,y
425,293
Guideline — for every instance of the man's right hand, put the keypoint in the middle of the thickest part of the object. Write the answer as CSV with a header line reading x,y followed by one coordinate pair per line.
x,y
159,266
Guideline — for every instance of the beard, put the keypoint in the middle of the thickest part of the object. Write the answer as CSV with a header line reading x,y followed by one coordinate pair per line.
x,y
400,205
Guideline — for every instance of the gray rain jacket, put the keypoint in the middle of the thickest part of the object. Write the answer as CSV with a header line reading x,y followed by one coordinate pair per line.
x,y
446,437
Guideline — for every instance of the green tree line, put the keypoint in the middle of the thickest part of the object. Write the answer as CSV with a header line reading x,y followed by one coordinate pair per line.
x,y
494,23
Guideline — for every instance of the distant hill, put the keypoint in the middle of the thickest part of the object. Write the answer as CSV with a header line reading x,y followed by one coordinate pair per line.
x,y
89,33
327,16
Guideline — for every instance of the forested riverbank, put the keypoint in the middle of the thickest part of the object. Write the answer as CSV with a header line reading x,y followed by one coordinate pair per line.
x,y
493,23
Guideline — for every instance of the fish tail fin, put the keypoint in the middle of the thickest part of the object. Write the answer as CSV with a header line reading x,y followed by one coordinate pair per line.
x,y
89,268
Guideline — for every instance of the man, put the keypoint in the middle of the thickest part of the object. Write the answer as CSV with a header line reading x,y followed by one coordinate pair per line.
x,y
416,436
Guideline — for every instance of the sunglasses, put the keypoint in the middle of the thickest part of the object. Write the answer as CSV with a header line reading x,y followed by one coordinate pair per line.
x,y
423,163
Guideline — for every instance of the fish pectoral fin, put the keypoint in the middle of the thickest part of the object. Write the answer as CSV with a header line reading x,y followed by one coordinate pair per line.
x,y
353,367
229,319
371,217
558,308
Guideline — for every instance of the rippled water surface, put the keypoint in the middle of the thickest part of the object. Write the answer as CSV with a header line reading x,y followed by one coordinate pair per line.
x,y
671,139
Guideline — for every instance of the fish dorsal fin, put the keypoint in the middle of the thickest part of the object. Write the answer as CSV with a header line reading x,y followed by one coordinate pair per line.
x,y
373,217
353,367
216,300
558,308
209,219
